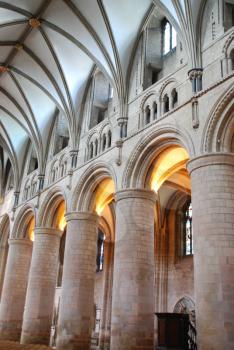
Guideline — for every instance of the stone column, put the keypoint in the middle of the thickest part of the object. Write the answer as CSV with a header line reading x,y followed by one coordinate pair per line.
x,y
3,261
132,325
212,177
104,336
14,288
76,315
41,287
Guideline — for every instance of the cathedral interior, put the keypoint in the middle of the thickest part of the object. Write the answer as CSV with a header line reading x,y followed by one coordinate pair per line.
x,y
117,174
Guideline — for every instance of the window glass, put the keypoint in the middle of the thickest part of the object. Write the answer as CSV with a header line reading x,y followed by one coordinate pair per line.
x,y
188,239
167,38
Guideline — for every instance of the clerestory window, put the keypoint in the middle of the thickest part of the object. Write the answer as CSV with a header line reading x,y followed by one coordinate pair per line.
x,y
169,37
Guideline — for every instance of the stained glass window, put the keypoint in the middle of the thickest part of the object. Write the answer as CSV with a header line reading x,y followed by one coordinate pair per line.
x,y
100,251
188,231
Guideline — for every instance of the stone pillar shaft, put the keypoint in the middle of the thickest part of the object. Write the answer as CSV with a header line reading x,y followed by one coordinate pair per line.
x,y
14,288
41,287
104,336
213,231
132,325
76,315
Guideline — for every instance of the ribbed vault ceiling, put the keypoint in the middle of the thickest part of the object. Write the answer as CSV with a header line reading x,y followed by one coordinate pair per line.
x,y
49,49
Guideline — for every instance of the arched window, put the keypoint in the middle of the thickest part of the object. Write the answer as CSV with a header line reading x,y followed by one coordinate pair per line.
x,y
147,115
187,230
169,37
104,142
166,103
109,139
102,93
100,251
155,110
174,96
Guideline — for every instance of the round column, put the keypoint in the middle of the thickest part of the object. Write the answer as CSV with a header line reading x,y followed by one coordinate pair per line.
x,y
132,324
76,316
212,178
3,261
14,288
41,287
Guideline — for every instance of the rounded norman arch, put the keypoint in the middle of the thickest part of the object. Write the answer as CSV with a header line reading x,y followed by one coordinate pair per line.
x,y
49,206
219,129
23,218
164,86
82,199
186,305
149,148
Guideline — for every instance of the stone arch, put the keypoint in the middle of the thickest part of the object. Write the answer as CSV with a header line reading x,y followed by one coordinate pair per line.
x,y
148,148
104,125
93,141
227,47
82,199
146,108
186,305
164,85
219,129
24,216
147,97
182,303
50,205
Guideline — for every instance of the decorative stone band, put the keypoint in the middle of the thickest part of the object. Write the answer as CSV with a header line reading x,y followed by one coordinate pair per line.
x,y
48,231
136,193
25,241
81,216
210,159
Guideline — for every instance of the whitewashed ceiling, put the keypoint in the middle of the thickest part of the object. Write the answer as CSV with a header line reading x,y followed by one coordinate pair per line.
x,y
49,49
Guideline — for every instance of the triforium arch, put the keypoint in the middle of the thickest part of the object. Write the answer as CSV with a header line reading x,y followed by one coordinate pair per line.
x,y
147,150
219,130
